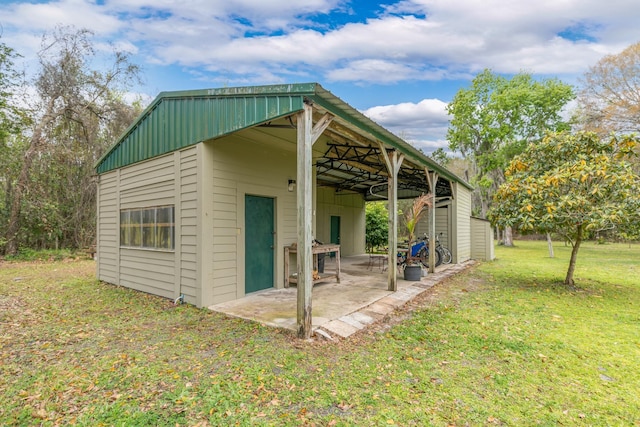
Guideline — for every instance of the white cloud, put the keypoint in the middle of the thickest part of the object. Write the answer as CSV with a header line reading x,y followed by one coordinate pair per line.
x,y
455,38
40,17
424,124
223,42
272,14
426,112
416,40
429,146
373,71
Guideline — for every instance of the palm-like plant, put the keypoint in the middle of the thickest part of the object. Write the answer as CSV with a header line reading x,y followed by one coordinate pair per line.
x,y
419,207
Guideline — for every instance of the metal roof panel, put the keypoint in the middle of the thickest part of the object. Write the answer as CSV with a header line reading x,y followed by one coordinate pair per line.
x,y
175,120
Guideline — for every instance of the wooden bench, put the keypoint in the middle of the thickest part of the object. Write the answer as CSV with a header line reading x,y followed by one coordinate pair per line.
x,y
315,250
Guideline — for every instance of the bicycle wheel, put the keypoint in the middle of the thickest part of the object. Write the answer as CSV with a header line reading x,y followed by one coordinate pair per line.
x,y
438,258
446,256
401,261
423,255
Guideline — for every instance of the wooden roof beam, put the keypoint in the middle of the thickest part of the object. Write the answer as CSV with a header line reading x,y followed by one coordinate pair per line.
x,y
351,135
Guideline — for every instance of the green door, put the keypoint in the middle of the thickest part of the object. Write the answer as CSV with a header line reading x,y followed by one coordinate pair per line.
x,y
258,243
335,232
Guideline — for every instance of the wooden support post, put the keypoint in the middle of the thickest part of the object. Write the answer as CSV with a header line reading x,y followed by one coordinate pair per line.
x,y
432,179
393,161
307,134
304,258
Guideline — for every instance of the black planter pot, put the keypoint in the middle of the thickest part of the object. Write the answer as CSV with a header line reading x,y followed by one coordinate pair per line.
x,y
413,273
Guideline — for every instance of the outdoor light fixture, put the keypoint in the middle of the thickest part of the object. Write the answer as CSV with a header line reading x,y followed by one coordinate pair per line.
x,y
292,185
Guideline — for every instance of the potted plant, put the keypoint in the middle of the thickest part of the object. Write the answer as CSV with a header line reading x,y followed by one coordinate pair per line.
x,y
413,269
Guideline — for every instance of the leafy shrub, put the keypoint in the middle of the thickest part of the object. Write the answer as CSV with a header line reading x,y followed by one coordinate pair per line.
x,y
377,229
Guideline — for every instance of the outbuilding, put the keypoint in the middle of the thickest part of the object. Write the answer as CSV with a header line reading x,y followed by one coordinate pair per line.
x,y
200,196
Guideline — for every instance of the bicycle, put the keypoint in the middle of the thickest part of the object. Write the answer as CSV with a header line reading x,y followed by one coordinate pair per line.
x,y
419,251
445,253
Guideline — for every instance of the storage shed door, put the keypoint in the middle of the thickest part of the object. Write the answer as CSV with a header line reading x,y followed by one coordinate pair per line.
x,y
259,243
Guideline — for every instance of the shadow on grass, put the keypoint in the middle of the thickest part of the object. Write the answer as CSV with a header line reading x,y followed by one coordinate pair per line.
x,y
556,286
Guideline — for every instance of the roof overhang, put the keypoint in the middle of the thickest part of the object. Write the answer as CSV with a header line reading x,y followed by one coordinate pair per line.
x,y
348,155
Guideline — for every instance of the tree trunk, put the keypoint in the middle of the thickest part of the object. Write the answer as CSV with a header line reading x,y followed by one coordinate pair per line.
x,y
550,244
16,204
508,236
484,205
574,255
35,144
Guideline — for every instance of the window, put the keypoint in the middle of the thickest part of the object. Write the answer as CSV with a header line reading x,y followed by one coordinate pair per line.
x,y
149,228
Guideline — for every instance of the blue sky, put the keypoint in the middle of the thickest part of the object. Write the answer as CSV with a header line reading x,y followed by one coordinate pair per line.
x,y
399,62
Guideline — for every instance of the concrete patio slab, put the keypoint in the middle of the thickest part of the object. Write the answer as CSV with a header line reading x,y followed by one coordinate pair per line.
x,y
360,299
340,328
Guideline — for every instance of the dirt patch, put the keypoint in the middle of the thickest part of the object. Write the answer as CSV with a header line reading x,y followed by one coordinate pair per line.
x,y
14,312
10,304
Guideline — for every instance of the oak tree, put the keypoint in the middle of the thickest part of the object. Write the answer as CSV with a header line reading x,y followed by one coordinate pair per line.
x,y
72,116
571,184
609,98
494,119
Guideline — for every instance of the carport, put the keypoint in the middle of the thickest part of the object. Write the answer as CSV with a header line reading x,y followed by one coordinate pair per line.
x,y
360,156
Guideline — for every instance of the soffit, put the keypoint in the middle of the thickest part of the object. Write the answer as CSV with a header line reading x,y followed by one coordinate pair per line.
x,y
351,161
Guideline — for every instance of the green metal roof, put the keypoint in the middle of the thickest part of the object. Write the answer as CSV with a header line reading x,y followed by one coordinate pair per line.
x,y
175,120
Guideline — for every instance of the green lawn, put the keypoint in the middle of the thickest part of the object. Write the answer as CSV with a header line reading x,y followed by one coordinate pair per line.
x,y
505,343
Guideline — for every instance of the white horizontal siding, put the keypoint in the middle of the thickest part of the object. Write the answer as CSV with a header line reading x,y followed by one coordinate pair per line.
x,y
158,194
442,225
463,224
108,227
166,180
188,170
481,240
149,183
351,210
240,166
146,173
147,271
225,276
